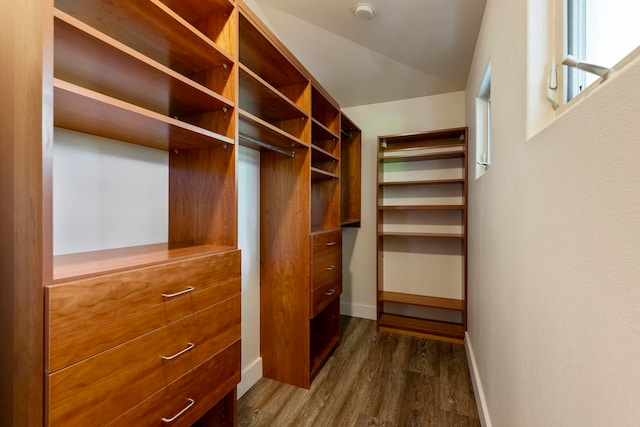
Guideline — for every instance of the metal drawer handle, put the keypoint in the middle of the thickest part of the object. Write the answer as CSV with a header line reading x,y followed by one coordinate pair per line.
x,y
330,243
184,350
331,292
331,267
186,291
185,409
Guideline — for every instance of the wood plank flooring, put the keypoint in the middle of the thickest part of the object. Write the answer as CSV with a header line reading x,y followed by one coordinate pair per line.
x,y
372,379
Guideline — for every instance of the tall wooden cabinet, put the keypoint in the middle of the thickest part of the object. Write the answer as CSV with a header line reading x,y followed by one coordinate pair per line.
x,y
132,335
422,228
296,125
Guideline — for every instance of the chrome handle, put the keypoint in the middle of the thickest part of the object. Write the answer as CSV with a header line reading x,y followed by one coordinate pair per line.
x,y
330,243
184,350
186,291
331,267
185,409
331,292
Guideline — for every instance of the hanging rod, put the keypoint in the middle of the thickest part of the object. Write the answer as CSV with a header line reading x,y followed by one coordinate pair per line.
x,y
345,133
247,138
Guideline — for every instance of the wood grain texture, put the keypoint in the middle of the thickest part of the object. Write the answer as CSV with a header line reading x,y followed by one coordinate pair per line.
x,y
284,266
372,379
153,29
26,137
325,243
207,384
91,315
203,197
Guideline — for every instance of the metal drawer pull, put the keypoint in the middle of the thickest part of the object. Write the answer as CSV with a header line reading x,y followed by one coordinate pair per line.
x,y
331,267
186,291
331,292
184,350
330,243
185,409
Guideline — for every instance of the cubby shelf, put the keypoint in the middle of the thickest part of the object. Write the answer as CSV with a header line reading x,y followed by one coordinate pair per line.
x,y
83,110
152,29
423,182
258,97
421,235
423,207
321,132
320,174
100,63
422,300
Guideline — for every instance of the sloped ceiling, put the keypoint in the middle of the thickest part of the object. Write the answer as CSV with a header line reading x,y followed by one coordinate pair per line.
x,y
410,48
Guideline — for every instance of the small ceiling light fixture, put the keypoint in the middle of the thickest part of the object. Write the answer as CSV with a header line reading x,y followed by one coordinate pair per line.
x,y
364,11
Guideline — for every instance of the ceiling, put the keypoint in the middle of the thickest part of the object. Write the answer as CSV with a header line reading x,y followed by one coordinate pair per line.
x,y
410,48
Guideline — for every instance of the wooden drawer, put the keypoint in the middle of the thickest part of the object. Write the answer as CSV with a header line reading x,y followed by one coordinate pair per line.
x,y
324,295
90,392
88,316
326,269
120,378
206,385
326,243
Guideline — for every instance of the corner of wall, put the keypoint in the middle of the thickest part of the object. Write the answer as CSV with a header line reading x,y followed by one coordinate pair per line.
x,y
483,410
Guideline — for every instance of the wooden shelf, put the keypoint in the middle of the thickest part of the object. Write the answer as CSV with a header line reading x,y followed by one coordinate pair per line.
x,y
193,11
421,235
325,112
423,207
323,155
421,300
86,264
350,222
258,97
257,128
421,327
321,174
320,358
152,29
423,182
436,153
259,54
83,110
100,63
321,132
421,139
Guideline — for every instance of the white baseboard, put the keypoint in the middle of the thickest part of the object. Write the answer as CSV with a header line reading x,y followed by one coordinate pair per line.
x,y
481,402
250,375
358,310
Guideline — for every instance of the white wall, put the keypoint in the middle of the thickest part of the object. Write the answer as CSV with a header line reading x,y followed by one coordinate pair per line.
x,y
249,244
359,245
553,247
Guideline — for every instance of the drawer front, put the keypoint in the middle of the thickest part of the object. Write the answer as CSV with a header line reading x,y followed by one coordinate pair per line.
x,y
215,328
326,269
324,295
90,392
324,244
205,386
88,316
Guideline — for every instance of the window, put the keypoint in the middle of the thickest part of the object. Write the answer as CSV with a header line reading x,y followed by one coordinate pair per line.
x,y
600,32
483,124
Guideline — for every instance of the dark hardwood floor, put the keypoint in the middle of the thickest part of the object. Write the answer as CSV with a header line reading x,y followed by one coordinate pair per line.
x,y
372,379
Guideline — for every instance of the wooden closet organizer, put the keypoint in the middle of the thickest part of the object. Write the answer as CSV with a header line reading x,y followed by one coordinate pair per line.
x,y
422,229
295,123
150,334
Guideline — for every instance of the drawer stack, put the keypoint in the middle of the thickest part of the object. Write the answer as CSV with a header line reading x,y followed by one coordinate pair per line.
x,y
156,345
326,270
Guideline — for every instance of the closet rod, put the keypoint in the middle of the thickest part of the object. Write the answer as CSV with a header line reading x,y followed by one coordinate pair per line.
x,y
345,133
267,145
